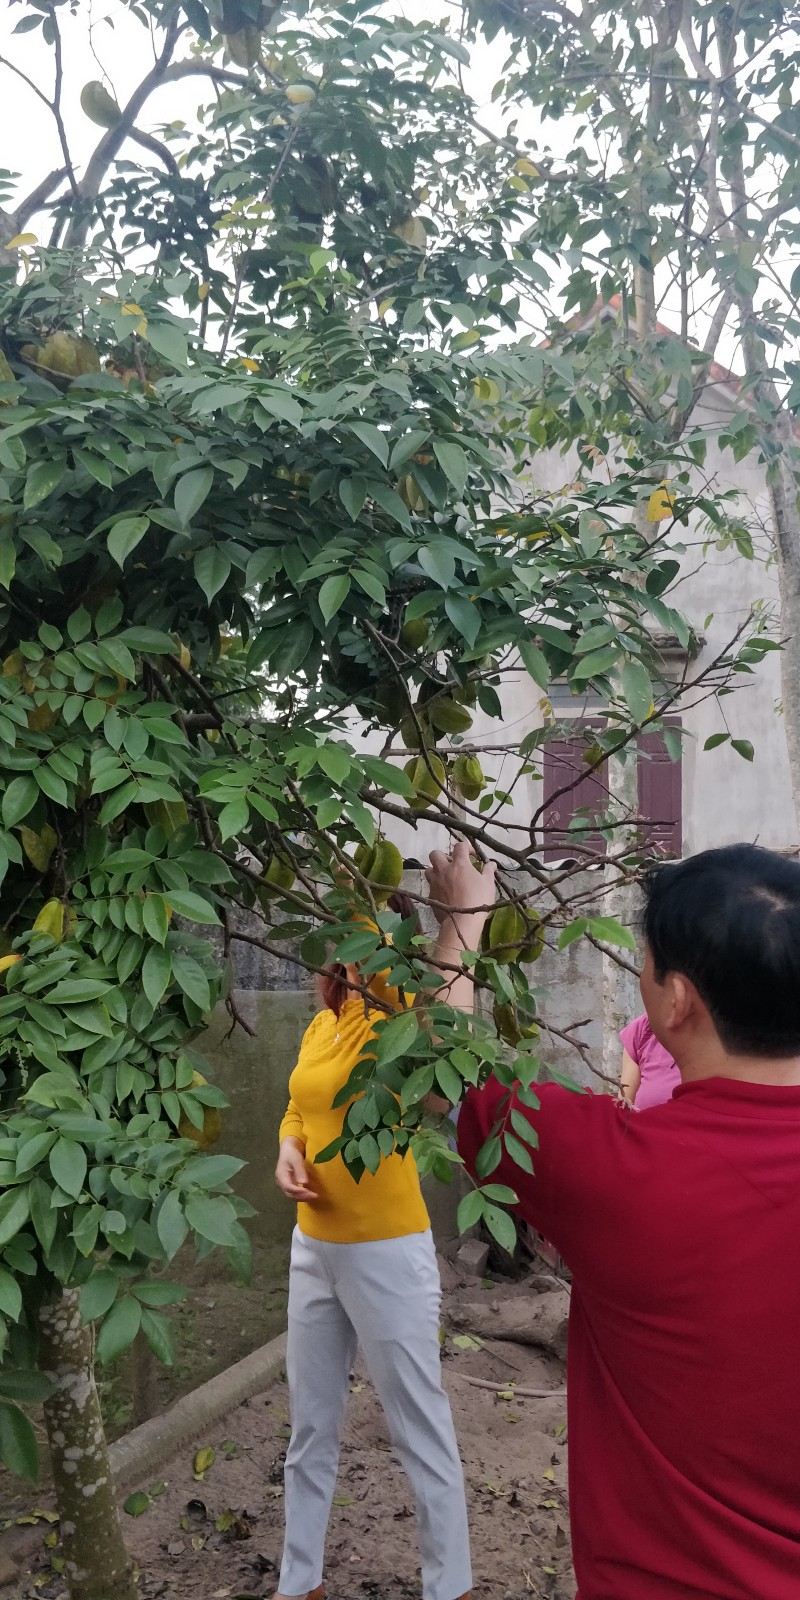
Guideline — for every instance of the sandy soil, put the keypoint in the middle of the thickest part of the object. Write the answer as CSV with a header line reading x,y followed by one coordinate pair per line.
x,y
220,1538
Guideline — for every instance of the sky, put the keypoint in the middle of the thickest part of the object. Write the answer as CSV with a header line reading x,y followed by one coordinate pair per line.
x,y
121,54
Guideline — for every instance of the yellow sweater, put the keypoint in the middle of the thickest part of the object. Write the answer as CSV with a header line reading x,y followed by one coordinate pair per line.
x,y
386,1205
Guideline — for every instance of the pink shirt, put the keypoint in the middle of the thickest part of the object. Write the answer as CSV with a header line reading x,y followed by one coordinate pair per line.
x,y
659,1072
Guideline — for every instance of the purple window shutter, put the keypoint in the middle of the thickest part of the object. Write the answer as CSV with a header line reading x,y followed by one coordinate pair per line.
x,y
660,796
563,764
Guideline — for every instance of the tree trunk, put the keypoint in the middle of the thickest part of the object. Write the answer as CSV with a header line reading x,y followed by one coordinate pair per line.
x,y
620,990
96,1562
783,495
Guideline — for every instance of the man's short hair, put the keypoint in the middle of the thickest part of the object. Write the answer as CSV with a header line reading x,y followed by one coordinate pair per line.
x,y
729,920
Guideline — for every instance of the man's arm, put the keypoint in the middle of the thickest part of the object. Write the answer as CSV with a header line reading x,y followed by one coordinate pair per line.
x,y
570,1161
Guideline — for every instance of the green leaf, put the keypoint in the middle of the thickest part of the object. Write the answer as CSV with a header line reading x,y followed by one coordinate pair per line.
x,y
19,799
41,481
119,1329
14,1212
169,342
535,663
211,569
28,1387
171,1224
166,1294
136,1504
374,440
68,1166
185,903
124,536
465,616
488,1157
470,1210
155,917
213,1218
10,1296
43,1217
156,973
33,1150
453,462
98,1294
595,664
591,531
18,1447
333,593
743,748
449,1082
438,562
157,1330
637,690
518,1152
190,977
611,932
8,561
396,1037
715,740
353,493
501,1227
191,491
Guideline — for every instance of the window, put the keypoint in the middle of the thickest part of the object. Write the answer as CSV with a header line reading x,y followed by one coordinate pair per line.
x,y
587,792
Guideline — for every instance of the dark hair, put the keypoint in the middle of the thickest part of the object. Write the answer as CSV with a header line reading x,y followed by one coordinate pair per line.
x,y
333,982
729,920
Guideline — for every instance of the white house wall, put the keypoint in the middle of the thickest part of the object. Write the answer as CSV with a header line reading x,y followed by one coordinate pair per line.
x,y
725,798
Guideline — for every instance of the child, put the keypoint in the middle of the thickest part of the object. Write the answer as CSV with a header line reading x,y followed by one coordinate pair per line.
x,y
649,1073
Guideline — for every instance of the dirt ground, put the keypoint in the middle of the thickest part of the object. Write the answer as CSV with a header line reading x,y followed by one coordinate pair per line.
x,y
219,1537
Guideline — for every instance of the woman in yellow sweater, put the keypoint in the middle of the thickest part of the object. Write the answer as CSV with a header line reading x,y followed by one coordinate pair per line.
x,y
364,1271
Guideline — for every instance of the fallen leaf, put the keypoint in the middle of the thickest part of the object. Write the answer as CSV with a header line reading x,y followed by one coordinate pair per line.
x,y
203,1460
549,1475
465,1341
198,1541
136,1504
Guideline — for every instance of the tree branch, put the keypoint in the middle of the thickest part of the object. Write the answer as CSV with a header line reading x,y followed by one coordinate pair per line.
x,y
112,141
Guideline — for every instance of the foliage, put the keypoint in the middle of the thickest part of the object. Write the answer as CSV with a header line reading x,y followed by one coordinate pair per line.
x,y
253,426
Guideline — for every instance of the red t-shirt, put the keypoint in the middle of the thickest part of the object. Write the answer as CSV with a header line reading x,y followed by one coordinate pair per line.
x,y
682,1230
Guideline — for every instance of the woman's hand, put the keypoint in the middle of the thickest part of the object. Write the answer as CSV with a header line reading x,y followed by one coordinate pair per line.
x,y
291,1173
461,898
458,889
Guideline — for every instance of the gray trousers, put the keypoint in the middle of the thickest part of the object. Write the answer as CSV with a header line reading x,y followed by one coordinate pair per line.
x,y
384,1296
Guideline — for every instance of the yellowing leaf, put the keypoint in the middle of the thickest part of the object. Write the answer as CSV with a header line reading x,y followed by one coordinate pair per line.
x,y
130,309
526,168
249,366
412,231
660,504
202,293
204,1459
386,305
52,920
39,847
20,239
8,961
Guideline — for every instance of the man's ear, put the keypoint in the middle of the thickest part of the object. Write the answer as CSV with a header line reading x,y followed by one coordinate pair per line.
x,y
682,999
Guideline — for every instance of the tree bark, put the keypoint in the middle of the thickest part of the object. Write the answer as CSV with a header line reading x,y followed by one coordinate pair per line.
x,y
96,1563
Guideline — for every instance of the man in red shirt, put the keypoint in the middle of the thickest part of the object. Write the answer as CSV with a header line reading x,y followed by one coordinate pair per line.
x,y
681,1225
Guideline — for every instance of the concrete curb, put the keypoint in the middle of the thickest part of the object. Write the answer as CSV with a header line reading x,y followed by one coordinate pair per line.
x,y
138,1453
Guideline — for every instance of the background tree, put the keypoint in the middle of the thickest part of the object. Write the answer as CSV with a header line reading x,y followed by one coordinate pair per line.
x,y
675,191
263,469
